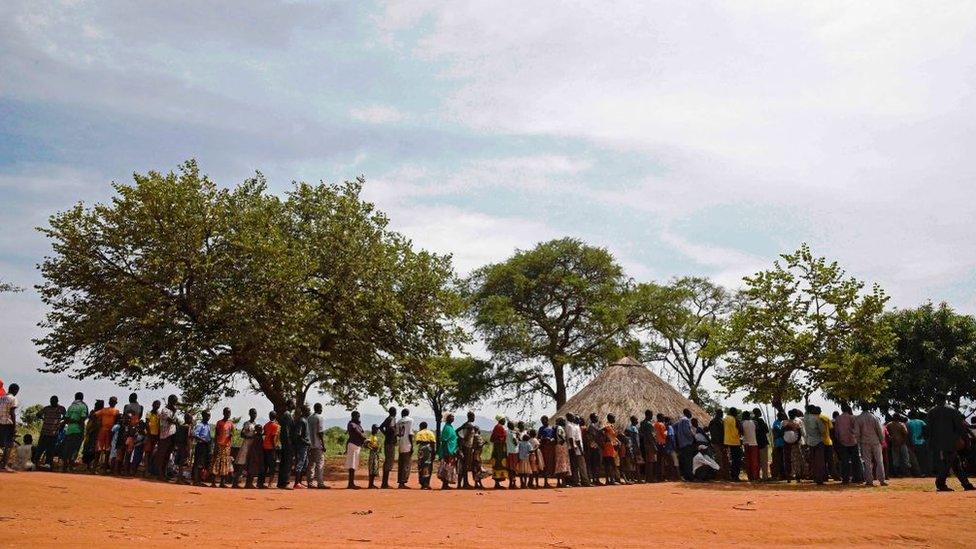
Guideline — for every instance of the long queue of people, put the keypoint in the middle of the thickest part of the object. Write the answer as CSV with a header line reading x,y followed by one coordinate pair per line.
x,y
288,450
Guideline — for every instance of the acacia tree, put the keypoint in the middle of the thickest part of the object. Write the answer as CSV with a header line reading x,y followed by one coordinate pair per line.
x,y
934,358
453,383
551,314
178,281
685,320
804,325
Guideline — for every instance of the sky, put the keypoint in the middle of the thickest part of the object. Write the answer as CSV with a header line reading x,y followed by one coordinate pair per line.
x,y
696,138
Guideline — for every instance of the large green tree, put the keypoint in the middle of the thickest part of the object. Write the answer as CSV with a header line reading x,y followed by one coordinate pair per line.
x,y
685,320
179,281
551,314
934,358
802,326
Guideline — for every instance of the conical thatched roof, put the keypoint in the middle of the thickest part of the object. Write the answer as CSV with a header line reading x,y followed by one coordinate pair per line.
x,y
627,388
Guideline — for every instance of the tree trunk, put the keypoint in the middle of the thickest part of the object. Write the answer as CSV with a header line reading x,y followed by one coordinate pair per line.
x,y
558,373
438,417
778,403
693,394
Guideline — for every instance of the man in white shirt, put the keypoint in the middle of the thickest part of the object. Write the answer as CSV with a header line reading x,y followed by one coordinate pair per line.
x,y
751,446
404,434
169,418
316,430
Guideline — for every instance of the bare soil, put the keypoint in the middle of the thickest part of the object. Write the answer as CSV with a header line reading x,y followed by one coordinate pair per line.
x,y
51,509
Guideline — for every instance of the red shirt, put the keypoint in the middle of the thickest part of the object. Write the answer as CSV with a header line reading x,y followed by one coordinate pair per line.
x,y
225,428
661,432
271,429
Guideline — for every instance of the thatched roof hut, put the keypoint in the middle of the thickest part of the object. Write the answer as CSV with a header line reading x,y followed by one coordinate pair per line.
x,y
627,388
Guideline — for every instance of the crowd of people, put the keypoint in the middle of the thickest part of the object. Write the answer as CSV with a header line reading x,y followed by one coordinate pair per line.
x,y
288,450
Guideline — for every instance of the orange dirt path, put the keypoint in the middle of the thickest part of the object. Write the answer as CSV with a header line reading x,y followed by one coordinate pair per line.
x,y
50,509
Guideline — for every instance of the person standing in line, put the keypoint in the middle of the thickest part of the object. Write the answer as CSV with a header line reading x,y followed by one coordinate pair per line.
x,y
426,441
716,433
869,434
827,426
168,420
762,441
74,429
781,469
511,453
594,448
920,455
255,458
648,447
286,437
404,433
898,448
947,432
846,446
663,458
181,448
316,430
373,461
547,444
684,439
814,431
732,438
499,453
751,446
388,429
466,434
447,452
354,444
269,441
222,466
52,418
133,410
201,450
8,425
248,444
301,440
152,440
107,418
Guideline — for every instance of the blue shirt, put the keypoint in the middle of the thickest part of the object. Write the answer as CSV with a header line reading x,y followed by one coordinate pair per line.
x,y
202,432
916,429
546,432
683,433
778,441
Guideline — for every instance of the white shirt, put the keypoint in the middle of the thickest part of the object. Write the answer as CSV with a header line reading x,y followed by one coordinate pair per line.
x,y
749,433
7,403
167,423
701,459
574,434
404,428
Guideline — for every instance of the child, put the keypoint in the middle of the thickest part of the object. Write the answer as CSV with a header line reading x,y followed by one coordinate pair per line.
x,y
138,439
24,453
536,459
201,452
426,441
117,450
372,443
524,467
255,460
477,448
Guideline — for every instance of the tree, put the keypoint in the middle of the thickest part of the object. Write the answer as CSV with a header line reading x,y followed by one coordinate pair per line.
x,y
934,358
178,281
685,320
802,326
551,314
453,383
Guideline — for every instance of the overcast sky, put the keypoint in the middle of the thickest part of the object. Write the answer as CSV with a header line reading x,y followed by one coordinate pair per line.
x,y
688,138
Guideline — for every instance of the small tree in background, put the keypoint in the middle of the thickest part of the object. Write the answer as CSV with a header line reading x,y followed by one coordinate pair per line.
x,y
455,383
685,320
804,325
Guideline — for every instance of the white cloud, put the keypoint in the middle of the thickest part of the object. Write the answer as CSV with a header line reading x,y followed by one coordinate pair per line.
x,y
377,114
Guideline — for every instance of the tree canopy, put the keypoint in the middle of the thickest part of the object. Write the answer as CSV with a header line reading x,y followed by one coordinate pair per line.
x,y
802,326
177,280
453,383
685,320
551,314
934,358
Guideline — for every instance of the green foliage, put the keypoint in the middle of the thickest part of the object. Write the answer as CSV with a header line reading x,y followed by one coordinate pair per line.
x,y
803,325
934,358
452,383
551,314
7,287
179,281
686,320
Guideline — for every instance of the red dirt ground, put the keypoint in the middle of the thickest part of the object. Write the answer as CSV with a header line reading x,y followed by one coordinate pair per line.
x,y
50,509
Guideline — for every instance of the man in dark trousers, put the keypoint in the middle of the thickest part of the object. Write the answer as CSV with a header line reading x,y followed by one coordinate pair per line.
x,y
287,437
946,433
388,429
466,434
648,446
